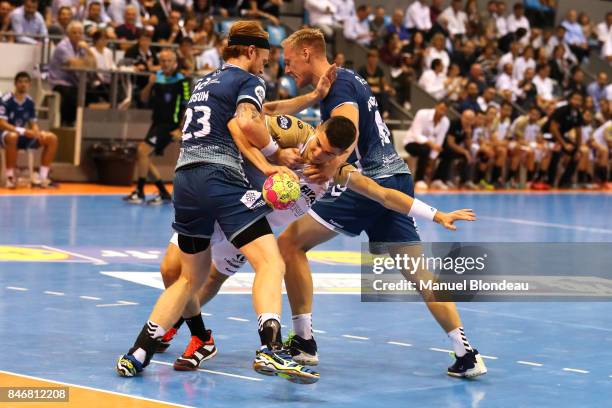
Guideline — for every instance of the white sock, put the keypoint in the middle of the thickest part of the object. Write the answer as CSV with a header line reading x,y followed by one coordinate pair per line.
x,y
140,355
302,325
44,172
264,317
461,345
10,172
155,330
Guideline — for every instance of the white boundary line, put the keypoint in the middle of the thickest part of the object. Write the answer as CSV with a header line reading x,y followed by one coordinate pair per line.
x,y
397,343
16,288
94,389
529,363
237,319
94,260
350,336
546,224
576,370
90,298
242,377
50,292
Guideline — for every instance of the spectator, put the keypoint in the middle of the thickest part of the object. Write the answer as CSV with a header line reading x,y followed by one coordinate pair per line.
x,y
378,24
117,11
576,83
574,36
207,37
212,58
94,21
488,19
506,84
128,31
433,80
435,10
345,9
104,60
465,57
425,138
321,14
229,8
510,56
518,20
437,51
559,66
455,148
373,73
416,50
473,16
339,59
264,9
418,17
397,27
544,85
169,32
501,21
185,58
597,90
523,62
71,52
588,29
189,28
144,60
455,83
25,20
470,101
487,99
64,17
20,131
159,13
604,29
201,10
357,27
5,20
401,73
456,18
488,62
559,39
527,91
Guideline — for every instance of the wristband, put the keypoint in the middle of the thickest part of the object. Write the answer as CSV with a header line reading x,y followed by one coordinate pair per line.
x,y
270,149
20,131
420,209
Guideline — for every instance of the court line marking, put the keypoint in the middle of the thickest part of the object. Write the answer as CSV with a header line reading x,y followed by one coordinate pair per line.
x,y
350,336
546,224
242,377
576,370
206,314
95,389
125,302
50,292
90,298
397,343
94,260
319,331
238,319
17,288
529,363
441,350
119,303
489,357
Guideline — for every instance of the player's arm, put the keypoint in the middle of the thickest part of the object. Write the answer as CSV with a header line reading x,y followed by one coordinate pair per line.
x,y
145,94
6,126
397,201
299,103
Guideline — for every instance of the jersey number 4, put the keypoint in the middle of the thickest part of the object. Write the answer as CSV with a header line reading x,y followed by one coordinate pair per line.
x,y
203,120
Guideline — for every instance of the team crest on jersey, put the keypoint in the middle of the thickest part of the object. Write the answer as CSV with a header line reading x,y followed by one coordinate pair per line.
x,y
284,122
300,124
252,199
261,93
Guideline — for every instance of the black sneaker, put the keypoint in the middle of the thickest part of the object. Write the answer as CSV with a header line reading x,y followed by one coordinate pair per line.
x,y
470,365
134,197
160,199
302,351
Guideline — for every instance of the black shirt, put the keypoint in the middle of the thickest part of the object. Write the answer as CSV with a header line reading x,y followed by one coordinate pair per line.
x,y
567,117
169,96
456,130
375,79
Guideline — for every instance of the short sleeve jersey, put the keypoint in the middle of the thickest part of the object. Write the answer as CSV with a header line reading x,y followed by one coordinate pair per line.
x,y
213,103
374,155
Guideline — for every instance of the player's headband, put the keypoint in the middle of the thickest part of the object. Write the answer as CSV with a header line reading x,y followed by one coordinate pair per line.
x,y
247,40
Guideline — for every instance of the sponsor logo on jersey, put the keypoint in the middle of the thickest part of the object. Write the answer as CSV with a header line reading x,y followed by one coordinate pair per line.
x,y
284,122
261,93
252,199
336,224
309,194
300,124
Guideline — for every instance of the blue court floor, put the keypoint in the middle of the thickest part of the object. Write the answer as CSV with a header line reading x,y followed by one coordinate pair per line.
x,y
79,275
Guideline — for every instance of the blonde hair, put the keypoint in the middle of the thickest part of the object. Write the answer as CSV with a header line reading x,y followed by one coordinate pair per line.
x,y
243,27
307,37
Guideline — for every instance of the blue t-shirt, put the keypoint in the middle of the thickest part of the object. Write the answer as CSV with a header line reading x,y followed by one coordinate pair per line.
x,y
15,113
374,154
213,102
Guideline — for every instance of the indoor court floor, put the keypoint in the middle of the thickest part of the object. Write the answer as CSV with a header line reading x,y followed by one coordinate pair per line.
x,y
79,274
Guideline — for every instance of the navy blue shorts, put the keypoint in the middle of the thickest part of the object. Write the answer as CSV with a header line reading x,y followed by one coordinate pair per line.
x,y
352,213
212,192
23,142
159,137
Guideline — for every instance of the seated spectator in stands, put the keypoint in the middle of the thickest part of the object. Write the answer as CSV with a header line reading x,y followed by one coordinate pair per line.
x,y
128,30
488,62
201,10
506,82
487,99
470,101
456,18
559,40
597,89
185,58
321,14
509,57
523,62
190,27
212,58
465,57
455,83
574,36
518,20
95,22
144,60
377,26
477,76
604,29
373,73
559,66
425,138
26,20
20,131
527,90
433,80
169,31
435,10
357,27
501,20
340,60
225,8
71,52
544,85
416,49
264,9
5,21
456,147
576,83
117,12
64,17
104,60
437,50
397,27
418,17
588,29
401,72
206,36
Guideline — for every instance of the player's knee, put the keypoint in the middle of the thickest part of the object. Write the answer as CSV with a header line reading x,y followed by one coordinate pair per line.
x,y
50,138
10,139
170,270
143,149
288,245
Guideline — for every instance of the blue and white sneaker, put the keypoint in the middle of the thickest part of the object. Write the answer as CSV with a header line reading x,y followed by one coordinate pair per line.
x,y
128,366
278,362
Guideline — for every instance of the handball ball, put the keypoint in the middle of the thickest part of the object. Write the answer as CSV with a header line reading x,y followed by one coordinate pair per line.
x,y
280,191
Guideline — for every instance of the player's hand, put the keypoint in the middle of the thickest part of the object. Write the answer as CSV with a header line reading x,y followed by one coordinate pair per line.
x,y
282,170
289,157
325,82
447,220
31,134
319,174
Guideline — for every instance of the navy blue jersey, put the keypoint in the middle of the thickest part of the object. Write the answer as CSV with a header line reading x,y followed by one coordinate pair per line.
x,y
374,155
213,102
15,113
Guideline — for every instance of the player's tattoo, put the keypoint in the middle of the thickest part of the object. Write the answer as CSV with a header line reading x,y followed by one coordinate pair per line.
x,y
247,111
